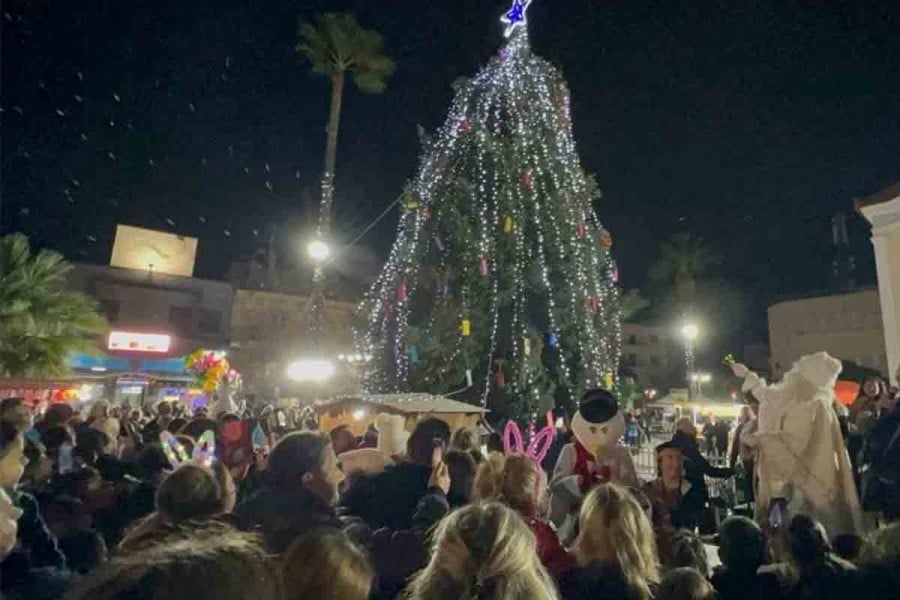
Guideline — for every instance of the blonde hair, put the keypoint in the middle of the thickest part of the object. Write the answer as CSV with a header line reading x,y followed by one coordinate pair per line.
x,y
487,476
483,551
612,525
513,480
326,566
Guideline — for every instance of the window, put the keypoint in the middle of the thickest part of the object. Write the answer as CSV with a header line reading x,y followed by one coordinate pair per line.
x,y
110,309
654,339
210,320
180,317
632,360
654,360
632,340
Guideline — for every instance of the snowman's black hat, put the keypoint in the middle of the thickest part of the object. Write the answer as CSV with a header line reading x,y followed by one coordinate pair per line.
x,y
598,406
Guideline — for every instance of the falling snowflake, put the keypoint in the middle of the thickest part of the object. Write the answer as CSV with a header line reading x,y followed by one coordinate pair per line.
x,y
269,185
75,182
18,109
24,211
42,85
91,238
246,170
268,170
78,98
202,219
227,233
192,107
227,62
116,97
60,112
80,76
203,161
150,160
170,222
84,137
297,174
111,155
256,232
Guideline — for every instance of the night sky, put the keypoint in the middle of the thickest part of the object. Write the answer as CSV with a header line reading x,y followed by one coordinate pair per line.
x,y
747,123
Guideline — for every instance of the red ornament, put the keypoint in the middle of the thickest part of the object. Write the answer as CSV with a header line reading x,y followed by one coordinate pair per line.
x,y
401,291
526,179
426,214
483,266
594,302
582,230
501,380
388,308
464,126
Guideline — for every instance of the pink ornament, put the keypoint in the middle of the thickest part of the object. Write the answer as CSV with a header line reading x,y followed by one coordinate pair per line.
x,y
526,179
401,291
582,230
464,126
594,302
483,266
615,272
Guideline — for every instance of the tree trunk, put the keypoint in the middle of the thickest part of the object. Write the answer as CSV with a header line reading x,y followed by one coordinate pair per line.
x,y
324,228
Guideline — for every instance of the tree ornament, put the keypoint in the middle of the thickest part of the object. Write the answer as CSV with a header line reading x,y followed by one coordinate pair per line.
x,y
615,272
401,291
464,125
507,224
582,230
483,266
526,180
438,242
594,302
465,328
526,346
413,353
500,380
388,308
608,381
410,200
426,213
606,239
553,338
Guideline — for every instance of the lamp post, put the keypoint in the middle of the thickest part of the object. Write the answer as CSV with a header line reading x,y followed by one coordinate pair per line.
x,y
318,250
689,331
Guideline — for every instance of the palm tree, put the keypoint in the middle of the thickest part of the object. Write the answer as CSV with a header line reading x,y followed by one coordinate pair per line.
x,y
335,44
683,260
40,322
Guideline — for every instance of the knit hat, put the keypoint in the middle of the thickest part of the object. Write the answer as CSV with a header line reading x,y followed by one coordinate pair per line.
x,y
820,369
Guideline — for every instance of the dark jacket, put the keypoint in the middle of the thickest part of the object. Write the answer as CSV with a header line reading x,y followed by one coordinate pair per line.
x,y
597,581
388,499
397,555
695,464
36,547
282,516
732,585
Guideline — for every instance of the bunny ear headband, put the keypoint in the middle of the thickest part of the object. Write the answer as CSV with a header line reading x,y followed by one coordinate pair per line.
x,y
539,446
204,451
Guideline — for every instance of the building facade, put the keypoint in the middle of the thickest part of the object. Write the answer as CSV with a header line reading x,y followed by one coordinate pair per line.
x,y
268,332
653,355
848,326
883,212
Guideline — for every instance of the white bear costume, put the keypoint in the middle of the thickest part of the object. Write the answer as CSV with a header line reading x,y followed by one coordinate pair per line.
x,y
802,456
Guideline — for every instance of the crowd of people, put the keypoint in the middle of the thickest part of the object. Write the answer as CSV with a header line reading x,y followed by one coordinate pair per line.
x,y
119,503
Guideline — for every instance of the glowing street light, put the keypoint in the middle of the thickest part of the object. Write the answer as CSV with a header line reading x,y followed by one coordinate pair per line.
x,y
690,332
311,370
318,250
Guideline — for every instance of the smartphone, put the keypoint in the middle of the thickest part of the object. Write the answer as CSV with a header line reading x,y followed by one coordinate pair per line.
x,y
437,454
66,463
778,513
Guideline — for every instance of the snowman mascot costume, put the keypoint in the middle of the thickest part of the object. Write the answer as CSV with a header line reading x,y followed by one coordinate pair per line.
x,y
595,457
802,458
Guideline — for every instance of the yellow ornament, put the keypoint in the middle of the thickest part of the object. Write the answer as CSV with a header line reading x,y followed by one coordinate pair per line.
x,y
466,328
608,381
507,224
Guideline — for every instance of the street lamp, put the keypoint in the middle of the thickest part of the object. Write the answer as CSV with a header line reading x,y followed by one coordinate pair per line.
x,y
310,370
318,250
689,332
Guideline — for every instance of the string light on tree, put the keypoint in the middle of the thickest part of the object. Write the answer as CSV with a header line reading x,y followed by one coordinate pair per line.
x,y
512,267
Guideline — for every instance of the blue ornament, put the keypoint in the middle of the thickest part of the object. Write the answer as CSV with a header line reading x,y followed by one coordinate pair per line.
x,y
554,339
413,353
516,16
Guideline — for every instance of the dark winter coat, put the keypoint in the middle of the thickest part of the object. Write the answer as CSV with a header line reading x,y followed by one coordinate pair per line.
x,y
282,516
397,555
390,498
732,585
35,548
695,464
597,581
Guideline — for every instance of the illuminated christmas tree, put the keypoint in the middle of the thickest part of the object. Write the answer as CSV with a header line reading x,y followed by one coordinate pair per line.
x,y
500,280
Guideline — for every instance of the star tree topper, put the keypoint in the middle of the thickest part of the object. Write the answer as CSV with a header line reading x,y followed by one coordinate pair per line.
x,y
516,16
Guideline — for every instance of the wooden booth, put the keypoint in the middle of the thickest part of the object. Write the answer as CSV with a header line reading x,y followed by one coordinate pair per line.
x,y
357,412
